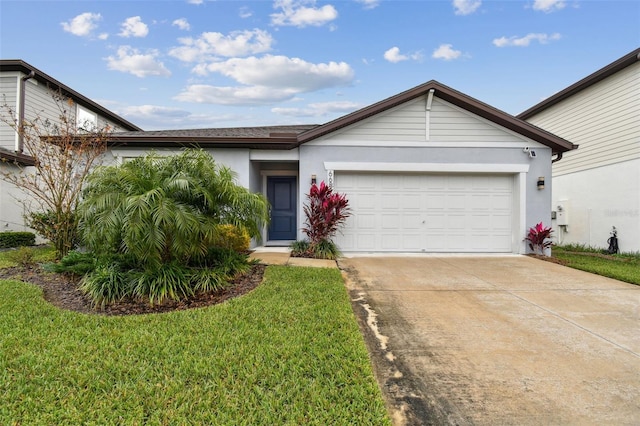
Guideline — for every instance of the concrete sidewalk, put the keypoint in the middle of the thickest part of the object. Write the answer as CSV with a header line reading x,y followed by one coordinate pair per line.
x,y
282,256
499,340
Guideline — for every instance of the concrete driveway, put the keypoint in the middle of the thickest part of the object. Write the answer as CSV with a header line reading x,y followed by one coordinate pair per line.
x,y
499,340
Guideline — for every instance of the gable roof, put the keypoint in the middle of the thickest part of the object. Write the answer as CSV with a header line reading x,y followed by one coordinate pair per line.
x,y
289,137
614,67
25,68
454,97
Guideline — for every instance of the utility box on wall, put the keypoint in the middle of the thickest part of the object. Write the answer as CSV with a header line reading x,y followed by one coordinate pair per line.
x,y
562,215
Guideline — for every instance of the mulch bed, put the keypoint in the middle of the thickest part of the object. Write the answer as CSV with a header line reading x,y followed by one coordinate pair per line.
x,y
62,291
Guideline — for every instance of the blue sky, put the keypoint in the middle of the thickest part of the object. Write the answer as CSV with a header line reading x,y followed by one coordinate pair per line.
x,y
201,63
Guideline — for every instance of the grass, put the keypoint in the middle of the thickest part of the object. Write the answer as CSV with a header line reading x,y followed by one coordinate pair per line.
x,y
289,353
41,254
623,267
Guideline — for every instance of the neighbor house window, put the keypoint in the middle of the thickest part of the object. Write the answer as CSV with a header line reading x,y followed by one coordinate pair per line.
x,y
86,120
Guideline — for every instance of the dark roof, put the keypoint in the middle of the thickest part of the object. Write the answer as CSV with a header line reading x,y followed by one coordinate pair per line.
x,y
288,137
627,60
16,158
266,137
25,68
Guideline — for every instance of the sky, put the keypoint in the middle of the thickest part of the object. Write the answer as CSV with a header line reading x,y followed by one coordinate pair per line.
x,y
184,64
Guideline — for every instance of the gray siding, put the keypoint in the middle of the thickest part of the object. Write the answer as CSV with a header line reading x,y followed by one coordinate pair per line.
x,y
8,88
408,123
603,119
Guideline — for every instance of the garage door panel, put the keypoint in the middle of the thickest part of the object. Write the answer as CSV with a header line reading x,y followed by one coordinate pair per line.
x,y
390,201
427,212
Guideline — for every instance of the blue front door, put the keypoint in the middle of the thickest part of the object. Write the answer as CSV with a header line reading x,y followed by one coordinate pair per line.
x,y
281,193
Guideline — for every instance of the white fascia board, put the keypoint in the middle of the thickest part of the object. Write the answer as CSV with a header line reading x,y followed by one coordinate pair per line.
x,y
422,144
274,155
426,167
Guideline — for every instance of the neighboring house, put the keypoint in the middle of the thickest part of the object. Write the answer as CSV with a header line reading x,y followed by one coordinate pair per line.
x,y
598,186
27,91
427,170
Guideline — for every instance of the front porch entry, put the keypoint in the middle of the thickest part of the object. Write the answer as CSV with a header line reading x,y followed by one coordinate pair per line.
x,y
282,195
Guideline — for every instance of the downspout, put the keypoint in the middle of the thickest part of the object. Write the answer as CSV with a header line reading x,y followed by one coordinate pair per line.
x,y
558,158
21,111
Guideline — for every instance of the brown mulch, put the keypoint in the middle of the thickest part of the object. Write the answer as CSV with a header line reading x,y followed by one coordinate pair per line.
x,y
62,291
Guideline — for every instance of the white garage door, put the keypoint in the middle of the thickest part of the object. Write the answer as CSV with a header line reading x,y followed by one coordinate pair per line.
x,y
427,212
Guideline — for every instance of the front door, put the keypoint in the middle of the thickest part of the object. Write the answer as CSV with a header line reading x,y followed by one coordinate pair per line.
x,y
281,193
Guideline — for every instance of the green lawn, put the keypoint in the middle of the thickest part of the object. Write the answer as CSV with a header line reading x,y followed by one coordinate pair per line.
x,y
623,267
40,254
290,353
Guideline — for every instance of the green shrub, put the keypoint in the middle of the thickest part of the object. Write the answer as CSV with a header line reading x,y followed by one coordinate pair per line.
x,y
232,237
75,262
165,213
23,256
326,249
107,283
116,277
17,239
299,248
323,249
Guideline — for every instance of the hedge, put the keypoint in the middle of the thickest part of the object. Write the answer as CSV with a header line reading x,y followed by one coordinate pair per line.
x,y
17,239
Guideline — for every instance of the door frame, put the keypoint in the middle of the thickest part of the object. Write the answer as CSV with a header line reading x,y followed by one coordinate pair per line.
x,y
284,173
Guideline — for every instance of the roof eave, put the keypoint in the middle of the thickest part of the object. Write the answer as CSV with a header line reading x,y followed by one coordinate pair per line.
x,y
614,67
25,68
284,143
16,158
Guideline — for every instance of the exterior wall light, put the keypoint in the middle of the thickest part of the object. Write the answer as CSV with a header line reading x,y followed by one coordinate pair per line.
x,y
540,182
314,180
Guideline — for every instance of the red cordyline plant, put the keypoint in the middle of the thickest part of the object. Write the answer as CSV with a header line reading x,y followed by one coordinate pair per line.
x,y
539,238
326,211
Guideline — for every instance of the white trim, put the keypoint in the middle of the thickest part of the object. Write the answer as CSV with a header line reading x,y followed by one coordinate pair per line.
x,y
274,155
430,144
427,124
426,167
522,213
16,133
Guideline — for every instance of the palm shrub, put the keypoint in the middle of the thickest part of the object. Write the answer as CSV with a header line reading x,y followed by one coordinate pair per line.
x,y
163,213
325,213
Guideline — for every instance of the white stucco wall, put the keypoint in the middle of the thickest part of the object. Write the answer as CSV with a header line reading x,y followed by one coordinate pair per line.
x,y
595,200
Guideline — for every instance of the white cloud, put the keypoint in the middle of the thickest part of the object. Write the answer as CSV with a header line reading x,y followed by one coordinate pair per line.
x,y
211,45
195,1
526,40
446,52
182,23
369,4
466,7
153,111
130,60
267,79
284,72
103,36
319,109
252,95
393,55
295,13
83,24
134,27
548,6
245,12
